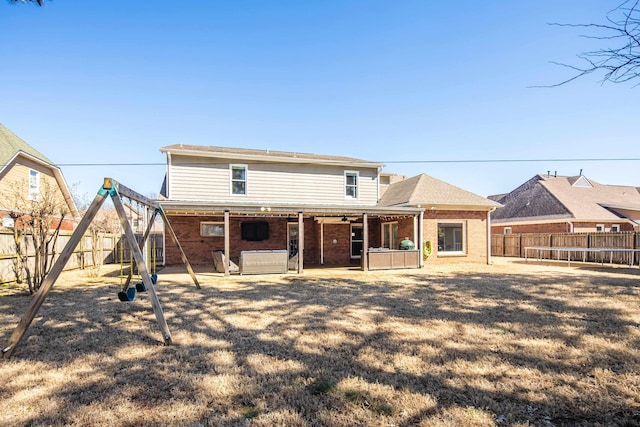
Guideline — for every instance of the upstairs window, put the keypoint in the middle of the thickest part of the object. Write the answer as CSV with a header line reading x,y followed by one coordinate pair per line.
x,y
239,180
34,185
351,185
615,228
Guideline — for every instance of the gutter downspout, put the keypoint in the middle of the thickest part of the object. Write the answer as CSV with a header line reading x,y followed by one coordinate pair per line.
x,y
167,195
489,260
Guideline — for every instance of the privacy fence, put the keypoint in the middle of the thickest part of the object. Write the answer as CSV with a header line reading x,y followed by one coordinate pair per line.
x,y
604,246
110,249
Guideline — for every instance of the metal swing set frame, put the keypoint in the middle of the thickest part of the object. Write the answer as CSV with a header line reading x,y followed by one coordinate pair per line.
x,y
110,187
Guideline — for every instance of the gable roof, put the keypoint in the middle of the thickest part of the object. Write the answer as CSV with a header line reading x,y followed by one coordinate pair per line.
x,y
264,155
10,144
426,191
547,197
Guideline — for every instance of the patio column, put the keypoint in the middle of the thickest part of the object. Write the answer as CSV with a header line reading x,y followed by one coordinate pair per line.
x,y
489,260
420,241
227,259
300,243
365,242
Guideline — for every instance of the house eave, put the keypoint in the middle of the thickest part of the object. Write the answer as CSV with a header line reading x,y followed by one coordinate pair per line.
x,y
248,158
269,209
558,220
57,173
451,207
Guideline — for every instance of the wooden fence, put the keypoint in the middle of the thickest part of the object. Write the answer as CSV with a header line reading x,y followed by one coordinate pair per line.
x,y
112,249
512,245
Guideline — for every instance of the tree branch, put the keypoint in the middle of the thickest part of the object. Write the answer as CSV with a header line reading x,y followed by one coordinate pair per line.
x,y
618,64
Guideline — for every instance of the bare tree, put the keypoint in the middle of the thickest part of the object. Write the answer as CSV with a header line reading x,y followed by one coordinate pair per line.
x,y
620,63
27,1
37,223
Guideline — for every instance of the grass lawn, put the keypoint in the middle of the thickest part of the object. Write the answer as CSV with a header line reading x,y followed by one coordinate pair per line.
x,y
510,344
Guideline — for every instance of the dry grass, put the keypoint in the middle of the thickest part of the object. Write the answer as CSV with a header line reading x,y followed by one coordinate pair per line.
x,y
508,344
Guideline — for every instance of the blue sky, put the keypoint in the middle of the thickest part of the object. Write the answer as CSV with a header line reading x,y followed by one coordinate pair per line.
x,y
110,82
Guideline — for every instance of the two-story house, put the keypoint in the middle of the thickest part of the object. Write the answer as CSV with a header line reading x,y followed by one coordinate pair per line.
x,y
27,175
321,209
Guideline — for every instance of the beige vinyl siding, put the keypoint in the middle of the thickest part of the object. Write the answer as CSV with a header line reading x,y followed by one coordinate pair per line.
x,y
14,182
202,179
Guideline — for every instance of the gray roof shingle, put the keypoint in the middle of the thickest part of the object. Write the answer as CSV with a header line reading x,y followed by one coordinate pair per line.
x,y
10,144
425,190
551,197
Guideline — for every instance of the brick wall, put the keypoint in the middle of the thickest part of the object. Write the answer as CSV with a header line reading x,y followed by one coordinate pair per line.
x,y
476,235
336,239
337,244
198,248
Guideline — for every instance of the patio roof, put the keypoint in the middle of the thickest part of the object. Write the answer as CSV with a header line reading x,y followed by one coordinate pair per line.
x,y
196,208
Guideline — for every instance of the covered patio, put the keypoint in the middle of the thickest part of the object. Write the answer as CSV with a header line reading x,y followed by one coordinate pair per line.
x,y
340,236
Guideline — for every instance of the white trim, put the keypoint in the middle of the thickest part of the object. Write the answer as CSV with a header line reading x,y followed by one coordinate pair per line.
x,y
602,229
246,179
168,177
34,185
617,226
346,185
352,225
272,158
504,230
215,223
463,250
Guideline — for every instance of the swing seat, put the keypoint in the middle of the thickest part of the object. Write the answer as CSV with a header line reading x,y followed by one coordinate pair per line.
x,y
129,295
140,287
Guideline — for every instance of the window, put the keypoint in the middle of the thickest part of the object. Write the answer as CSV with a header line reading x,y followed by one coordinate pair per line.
x,y
351,185
451,237
254,230
615,228
599,228
212,229
357,232
390,235
507,230
239,179
34,185
7,221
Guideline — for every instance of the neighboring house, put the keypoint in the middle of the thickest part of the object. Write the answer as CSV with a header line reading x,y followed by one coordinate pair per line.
x,y
25,175
331,207
558,204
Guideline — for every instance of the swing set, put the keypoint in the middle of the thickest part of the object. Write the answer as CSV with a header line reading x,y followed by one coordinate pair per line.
x,y
117,191
127,292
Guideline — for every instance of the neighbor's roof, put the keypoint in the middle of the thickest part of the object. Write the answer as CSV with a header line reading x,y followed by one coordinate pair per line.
x,y
547,197
427,191
10,144
263,155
